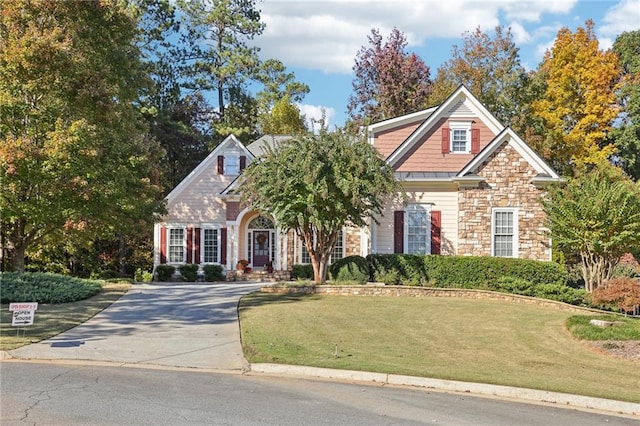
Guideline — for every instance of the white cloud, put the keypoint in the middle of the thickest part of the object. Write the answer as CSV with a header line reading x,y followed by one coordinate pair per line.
x,y
520,34
314,113
624,16
326,34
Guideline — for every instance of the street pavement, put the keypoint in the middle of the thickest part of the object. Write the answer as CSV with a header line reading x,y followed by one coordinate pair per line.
x,y
195,326
190,325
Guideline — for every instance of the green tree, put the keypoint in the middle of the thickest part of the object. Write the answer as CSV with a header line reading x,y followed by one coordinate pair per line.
x,y
388,82
490,68
626,133
579,105
596,216
216,56
73,156
283,118
316,185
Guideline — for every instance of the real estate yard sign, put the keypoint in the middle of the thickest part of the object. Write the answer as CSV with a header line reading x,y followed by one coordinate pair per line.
x,y
23,313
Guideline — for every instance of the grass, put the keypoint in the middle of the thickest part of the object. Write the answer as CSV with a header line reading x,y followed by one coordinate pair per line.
x,y
580,328
53,319
485,341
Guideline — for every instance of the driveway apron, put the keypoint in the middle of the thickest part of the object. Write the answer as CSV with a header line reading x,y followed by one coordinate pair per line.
x,y
178,325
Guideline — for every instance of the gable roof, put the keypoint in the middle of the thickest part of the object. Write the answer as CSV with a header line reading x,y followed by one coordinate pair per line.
x,y
545,172
461,94
401,121
260,146
209,163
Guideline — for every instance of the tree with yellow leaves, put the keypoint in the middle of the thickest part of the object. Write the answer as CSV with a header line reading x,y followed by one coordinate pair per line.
x,y
579,105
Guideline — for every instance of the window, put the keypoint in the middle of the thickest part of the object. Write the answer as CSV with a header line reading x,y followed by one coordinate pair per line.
x,y
418,229
210,246
504,233
336,253
460,135
176,245
338,249
231,164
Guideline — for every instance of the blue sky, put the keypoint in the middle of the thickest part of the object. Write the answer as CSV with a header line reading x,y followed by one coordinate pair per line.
x,y
318,40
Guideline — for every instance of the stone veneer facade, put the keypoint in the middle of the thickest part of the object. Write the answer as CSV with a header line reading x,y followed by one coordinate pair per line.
x,y
506,184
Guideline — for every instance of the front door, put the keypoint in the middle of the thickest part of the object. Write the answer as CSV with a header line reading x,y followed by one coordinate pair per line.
x,y
261,246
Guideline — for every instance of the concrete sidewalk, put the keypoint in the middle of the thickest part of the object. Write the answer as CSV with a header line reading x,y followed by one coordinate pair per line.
x,y
190,325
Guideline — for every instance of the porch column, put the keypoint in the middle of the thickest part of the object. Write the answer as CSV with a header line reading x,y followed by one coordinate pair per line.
x,y
283,265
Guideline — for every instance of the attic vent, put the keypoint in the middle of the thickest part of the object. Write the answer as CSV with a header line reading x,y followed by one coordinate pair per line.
x,y
460,109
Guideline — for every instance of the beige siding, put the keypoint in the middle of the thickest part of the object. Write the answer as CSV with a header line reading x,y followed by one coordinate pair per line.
x,y
442,197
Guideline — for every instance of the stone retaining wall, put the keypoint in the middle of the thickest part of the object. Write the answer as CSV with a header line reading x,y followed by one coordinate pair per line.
x,y
403,291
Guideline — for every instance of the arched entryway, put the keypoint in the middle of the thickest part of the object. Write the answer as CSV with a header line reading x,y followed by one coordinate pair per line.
x,y
261,241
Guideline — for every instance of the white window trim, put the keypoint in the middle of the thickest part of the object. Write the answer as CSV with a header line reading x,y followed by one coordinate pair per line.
x,y
516,235
416,207
235,163
216,227
460,125
184,244
302,247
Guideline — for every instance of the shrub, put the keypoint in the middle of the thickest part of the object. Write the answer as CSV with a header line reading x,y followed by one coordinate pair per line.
x,y
45,287
142,276
561,293
213,273
513,285
623,293
165,272
189,272
404,269
350,268
302,272
480,271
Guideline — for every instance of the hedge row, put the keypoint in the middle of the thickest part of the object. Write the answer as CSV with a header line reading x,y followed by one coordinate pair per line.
x,y
189,272
45,288
460,271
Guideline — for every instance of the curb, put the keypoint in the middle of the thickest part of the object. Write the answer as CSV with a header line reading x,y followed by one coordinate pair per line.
x,y
520,394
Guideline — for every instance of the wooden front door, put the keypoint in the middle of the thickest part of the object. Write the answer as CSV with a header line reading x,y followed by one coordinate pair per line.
x,y
261,246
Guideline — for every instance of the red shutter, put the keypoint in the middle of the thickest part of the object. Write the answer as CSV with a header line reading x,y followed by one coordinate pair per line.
x,y
163,245
196,244
446,140
398,231
220,164
475,141
243,162
189,244
436,230
223,246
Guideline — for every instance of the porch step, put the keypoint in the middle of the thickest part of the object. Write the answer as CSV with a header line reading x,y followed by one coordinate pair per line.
x,y
258,276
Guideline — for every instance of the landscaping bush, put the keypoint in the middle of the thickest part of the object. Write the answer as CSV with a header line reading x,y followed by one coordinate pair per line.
x,y
552,291
165,272
302,272
618,293
189,272
402,269
350,268
45,287
213,273
141,276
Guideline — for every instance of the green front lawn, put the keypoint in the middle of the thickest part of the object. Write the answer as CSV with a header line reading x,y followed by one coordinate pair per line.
x,y
486,341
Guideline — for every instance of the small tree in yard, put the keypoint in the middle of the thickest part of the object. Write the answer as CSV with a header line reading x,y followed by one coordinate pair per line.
x,y
596,216
623,292
317,184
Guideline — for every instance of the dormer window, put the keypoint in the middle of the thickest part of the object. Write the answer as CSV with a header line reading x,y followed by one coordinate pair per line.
x,y
460,138
231,164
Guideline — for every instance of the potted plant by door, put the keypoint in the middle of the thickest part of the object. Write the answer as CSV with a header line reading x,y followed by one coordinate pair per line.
x,y
242,264
268,267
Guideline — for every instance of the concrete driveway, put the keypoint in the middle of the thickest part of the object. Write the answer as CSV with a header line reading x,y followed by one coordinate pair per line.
x,y
176,325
